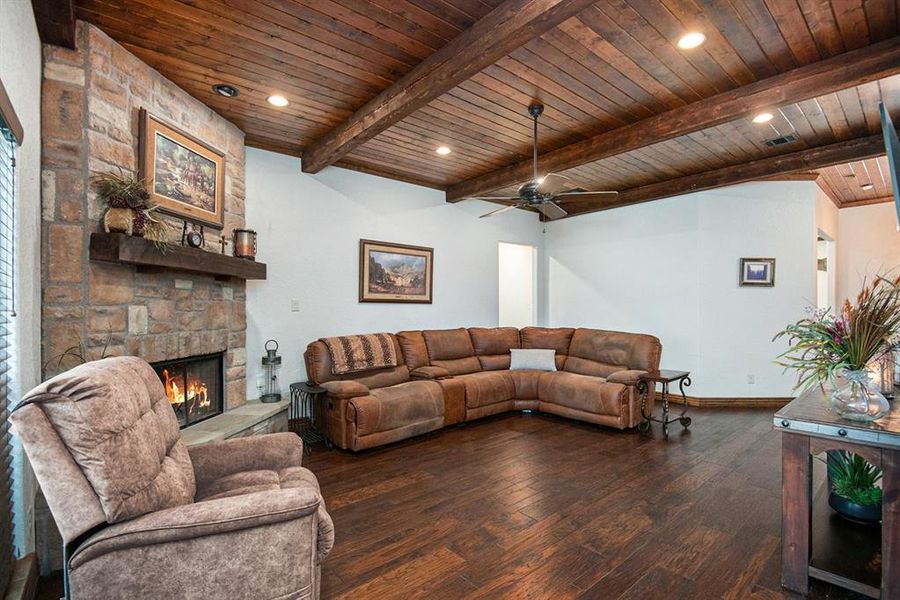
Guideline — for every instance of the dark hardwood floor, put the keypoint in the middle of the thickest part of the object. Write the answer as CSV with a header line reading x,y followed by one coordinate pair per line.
x,y
536,507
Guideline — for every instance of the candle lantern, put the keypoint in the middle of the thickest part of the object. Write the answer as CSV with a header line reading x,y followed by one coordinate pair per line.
x,y
245,243
271,364
884,374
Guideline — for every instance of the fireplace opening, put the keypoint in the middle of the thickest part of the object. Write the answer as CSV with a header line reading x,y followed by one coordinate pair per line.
x,y
195,386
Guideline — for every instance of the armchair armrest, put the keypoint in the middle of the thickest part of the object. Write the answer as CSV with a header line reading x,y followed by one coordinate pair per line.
x,y
430,373
211,517
273,451
345,389
627,377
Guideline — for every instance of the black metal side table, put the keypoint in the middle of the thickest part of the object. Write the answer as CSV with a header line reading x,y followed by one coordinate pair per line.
x,y
305,413
647,385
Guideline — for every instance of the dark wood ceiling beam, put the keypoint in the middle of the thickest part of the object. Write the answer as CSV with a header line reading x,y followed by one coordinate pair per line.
x,y
55,22
507,27
765,168
824,77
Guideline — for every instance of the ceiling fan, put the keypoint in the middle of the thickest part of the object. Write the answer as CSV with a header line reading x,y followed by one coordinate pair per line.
x,y
544,193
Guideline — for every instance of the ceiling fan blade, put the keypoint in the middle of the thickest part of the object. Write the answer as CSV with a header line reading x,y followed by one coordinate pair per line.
x,y
499,210
492,198
553,183
586,196
551,210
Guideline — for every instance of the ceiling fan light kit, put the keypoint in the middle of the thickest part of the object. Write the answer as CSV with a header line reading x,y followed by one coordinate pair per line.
x,y
544,193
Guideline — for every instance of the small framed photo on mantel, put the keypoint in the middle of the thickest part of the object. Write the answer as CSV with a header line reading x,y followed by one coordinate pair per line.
x,y
757,272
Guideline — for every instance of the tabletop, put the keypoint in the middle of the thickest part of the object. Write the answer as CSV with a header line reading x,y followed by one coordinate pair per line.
x,y
666,375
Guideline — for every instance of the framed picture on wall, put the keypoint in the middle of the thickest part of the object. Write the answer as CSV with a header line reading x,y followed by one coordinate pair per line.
x,y
185,176
391,272
759,272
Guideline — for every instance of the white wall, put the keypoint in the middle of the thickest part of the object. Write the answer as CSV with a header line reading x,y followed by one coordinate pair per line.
x,y
517,286
868,243
20,70
309,230
670,268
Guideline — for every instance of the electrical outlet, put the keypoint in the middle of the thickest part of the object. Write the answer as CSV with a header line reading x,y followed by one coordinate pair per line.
x,y
295,305
751,379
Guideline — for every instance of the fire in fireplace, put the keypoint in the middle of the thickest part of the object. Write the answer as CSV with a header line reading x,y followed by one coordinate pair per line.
x,y
195,386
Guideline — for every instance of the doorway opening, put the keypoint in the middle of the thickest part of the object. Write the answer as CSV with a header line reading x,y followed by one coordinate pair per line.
x,y
825,273
517,287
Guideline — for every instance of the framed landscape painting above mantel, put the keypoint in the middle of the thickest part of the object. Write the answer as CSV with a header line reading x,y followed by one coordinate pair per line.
x,y
185,176
391,272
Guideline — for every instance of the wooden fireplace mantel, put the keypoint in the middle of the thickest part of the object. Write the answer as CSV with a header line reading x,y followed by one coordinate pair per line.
x,y
121,248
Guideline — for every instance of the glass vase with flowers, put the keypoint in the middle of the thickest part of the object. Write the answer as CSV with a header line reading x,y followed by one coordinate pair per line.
x,y
839,349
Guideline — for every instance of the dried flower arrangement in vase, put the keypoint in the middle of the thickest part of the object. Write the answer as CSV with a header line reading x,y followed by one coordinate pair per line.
x,y
129,209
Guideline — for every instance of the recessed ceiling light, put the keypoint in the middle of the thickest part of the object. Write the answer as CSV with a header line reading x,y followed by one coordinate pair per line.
x,y
223,89
691,40
867,186
443,150
276,100
763,118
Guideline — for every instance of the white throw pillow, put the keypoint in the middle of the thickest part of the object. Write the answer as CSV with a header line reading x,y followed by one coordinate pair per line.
x,y
534,359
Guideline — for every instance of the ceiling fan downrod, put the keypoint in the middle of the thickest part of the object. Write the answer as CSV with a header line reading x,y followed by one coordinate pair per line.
x,y
535,110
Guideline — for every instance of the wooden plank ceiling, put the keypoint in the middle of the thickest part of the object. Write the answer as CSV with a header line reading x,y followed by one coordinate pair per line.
x,y
613,64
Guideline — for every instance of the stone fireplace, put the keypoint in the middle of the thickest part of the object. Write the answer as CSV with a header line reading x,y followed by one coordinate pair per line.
x,y
91,98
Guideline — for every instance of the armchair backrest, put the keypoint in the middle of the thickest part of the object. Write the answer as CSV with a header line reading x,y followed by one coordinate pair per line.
x,y
105,445
320,368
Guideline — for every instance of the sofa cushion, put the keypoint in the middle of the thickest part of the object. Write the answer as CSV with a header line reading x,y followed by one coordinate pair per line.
x,y
492,346
552,338
601,353
398,406
415,352
537,359
318,368
582,392
116,422
459,366
488,387
448,344
526,383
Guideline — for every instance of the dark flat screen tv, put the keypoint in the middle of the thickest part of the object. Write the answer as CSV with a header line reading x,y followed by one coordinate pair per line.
x,y
892,146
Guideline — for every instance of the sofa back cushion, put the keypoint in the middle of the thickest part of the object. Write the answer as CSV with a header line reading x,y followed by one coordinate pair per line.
x,y
415,352
549,338
113,417
451,349
492,346
319,368
601,353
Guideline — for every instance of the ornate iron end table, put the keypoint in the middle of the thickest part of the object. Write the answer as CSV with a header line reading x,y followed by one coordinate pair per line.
x,y
647,385
305,414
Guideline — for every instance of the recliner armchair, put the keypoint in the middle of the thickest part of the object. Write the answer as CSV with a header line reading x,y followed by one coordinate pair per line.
x,y
143,516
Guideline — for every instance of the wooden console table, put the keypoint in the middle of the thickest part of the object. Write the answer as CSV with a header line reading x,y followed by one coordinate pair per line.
x,y
808,429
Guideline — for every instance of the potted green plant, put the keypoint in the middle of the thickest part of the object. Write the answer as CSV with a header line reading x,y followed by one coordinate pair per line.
x,y
129,209
852,484
839,349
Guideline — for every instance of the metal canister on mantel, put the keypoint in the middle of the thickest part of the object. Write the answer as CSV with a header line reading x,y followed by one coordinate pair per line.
x,y
245,243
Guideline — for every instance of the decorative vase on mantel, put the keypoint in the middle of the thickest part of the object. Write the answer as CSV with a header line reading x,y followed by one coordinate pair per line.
x,y
855,396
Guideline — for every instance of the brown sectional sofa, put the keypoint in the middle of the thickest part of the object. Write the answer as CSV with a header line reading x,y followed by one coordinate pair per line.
x,y
449,376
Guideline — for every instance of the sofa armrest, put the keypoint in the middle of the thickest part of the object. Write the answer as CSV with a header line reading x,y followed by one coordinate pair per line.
x,y
627,377
345,389
212,517
273,451
430,373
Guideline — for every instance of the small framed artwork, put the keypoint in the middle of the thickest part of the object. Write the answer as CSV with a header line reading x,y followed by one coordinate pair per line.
x,y
759,272
185,176
391,272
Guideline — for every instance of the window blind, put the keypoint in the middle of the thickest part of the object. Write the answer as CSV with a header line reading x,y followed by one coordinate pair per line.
x,y
7,312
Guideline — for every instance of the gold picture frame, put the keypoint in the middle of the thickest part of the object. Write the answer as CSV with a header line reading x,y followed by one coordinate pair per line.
x,y
390,272
185,176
